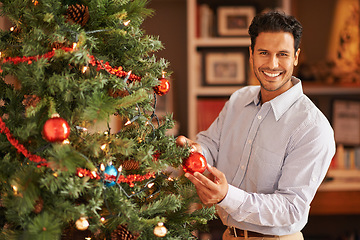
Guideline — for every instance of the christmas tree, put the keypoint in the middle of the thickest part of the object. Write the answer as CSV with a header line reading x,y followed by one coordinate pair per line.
x,y
77,64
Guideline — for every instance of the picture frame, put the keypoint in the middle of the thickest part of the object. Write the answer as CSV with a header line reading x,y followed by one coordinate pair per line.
x,y
225,68
234,21
346,121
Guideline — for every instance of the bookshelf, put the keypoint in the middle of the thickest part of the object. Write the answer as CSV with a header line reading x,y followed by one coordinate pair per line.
x,y
200,43
199,91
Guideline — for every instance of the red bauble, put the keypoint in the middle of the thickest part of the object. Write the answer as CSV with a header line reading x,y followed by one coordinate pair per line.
x,y
56,129
163,88
196,162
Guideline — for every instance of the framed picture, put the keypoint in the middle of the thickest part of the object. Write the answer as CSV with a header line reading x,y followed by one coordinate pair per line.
x,y
225,68
234,21
346,122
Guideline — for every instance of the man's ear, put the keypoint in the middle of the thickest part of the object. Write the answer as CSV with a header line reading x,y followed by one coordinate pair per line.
x,y
250,54
297,57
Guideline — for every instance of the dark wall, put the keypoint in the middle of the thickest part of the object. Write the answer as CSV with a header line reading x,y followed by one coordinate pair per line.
x,y
169,23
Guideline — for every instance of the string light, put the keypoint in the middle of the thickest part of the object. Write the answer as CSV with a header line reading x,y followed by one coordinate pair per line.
x,y
103,147
81,128
102,167
15,189
66,141
94,173
12,29
84,69
74,45
127,23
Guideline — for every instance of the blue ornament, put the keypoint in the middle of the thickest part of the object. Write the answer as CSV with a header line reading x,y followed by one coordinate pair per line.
x,y
110,170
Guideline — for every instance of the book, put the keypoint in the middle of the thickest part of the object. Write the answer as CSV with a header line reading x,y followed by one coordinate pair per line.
x,y
207,111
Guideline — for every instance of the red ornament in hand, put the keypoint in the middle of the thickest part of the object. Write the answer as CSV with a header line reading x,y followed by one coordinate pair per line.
x,y
56,129
163,88
196,162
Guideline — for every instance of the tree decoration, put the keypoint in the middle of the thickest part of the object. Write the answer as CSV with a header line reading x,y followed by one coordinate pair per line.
x,y
30,101
163,88
39,204
20,148
130,164
78,14
82,224
196,162
122,233
100,64
160,230
112,172
56,129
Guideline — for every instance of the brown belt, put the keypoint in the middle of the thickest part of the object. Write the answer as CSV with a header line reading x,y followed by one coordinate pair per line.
x,y
241,233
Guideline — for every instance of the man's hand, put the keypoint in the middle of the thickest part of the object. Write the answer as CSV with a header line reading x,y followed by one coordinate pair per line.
x,y
184,141
210,191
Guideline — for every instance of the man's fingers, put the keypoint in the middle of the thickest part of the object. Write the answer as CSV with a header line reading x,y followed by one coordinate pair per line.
x,y
184,141
218,175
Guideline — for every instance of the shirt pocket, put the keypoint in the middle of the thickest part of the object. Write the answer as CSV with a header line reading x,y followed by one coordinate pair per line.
x,y
264,170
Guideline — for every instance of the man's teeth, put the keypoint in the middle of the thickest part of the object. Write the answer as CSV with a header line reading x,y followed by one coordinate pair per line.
x,y
272,74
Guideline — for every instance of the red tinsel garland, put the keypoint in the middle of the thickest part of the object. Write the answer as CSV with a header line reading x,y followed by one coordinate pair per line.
x,y
118,71
130,179
21,149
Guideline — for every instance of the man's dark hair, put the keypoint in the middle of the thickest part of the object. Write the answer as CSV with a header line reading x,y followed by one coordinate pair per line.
x,y
275,22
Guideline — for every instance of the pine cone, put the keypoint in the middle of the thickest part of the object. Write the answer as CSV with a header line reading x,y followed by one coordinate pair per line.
x,y
121,233
78,14
38,205
130,164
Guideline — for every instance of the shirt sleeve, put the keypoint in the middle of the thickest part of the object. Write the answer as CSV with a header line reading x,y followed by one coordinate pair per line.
x,y
308,157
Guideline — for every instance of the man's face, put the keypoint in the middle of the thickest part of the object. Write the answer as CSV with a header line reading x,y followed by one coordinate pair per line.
x,y
273,61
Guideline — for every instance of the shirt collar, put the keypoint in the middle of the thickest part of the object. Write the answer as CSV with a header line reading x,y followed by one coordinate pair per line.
x,y
282,103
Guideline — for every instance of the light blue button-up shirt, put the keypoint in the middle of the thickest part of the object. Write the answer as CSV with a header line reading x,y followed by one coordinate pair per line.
x,y
274,155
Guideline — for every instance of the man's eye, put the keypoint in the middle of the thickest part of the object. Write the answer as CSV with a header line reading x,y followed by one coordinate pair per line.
x,y
263,53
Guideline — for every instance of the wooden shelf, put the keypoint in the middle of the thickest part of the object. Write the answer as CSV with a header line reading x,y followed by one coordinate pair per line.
x,y
342,180
334,89
336,203
223,42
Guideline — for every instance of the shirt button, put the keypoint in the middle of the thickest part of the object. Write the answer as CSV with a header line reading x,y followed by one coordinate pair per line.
x,y
242,167
259,117
249,141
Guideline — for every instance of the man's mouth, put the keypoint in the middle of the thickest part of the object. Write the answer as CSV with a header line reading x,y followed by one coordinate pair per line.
x,y
271,74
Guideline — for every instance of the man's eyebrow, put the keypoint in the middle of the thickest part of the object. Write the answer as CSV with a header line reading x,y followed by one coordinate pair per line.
x,y
265,50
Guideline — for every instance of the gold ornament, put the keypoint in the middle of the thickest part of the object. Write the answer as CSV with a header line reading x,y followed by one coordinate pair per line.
x,y
82,224
160,230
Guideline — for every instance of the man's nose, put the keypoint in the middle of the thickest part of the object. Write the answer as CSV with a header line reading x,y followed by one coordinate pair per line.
x,y
273,62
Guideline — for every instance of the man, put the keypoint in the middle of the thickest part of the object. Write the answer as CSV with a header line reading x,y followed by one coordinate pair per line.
x,y
270,147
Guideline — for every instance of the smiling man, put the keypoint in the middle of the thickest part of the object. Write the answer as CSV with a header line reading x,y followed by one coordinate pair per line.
x,y
270,147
